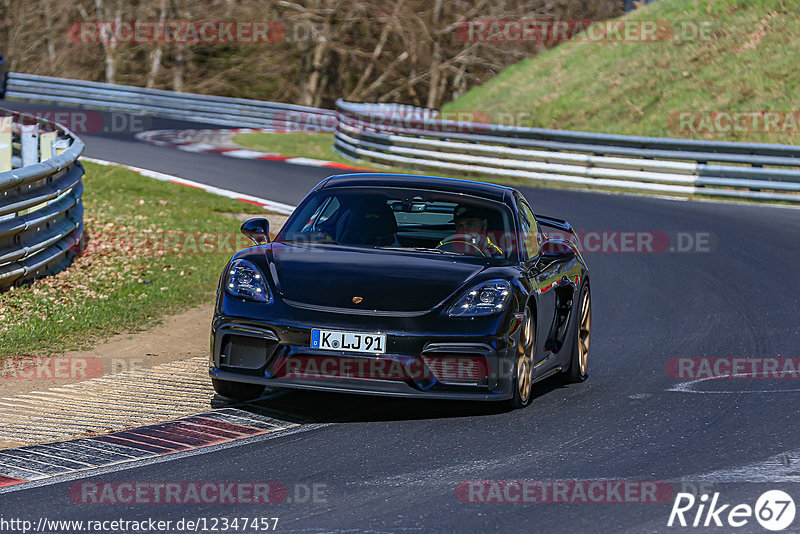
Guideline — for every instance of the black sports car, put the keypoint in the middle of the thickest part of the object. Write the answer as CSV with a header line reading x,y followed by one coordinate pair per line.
x,y
400,285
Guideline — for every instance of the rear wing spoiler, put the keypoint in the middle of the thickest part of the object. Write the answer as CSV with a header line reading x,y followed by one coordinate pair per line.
x,y
562,227
552,222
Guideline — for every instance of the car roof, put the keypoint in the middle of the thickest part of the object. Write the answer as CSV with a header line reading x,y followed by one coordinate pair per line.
x,y
454,185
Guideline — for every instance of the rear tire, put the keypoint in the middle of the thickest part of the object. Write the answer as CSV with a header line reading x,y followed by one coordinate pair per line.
x,y
579,359
522,382
240,391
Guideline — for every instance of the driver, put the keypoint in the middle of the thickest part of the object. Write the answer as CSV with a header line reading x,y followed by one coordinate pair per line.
x,y
471,236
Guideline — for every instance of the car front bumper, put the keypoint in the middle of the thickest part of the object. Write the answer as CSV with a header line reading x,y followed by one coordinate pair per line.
x,y
472,360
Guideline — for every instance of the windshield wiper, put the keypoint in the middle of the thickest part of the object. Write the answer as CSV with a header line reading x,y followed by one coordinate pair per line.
x,y
436,251
422,249
307,242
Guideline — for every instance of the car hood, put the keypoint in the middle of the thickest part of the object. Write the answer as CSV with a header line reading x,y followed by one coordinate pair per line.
x,y
337,277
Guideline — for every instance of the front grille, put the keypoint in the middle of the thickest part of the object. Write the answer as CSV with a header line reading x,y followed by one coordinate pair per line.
x,y
246,352
458,368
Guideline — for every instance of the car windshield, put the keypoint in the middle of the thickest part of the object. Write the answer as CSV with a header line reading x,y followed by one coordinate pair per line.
x,y
422,221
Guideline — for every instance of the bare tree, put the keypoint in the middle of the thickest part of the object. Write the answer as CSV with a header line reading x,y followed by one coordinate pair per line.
x,y
406,51
158,48
109,13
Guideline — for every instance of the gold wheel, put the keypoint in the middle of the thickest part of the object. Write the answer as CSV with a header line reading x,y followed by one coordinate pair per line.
x,y
584,333
525,358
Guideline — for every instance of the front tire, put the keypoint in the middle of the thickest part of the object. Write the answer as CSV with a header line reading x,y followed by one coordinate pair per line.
x,y
579,360
239,391
522,382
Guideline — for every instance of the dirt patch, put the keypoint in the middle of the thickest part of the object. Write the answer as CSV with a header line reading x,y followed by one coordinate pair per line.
x,y
757,36
180,336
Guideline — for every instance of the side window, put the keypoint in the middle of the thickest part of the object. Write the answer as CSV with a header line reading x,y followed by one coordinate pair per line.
x,y
321,214
328,210
531,236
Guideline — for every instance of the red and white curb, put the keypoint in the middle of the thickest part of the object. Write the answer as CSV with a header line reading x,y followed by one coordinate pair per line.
x,y
203,430
187,140
277,207
117,421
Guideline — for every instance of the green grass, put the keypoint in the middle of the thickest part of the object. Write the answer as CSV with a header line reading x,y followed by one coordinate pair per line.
x,y
301,145
748,62
154,249
320,146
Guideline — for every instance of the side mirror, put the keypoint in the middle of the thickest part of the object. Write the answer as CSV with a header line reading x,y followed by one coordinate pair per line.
x,y
554,247
257,230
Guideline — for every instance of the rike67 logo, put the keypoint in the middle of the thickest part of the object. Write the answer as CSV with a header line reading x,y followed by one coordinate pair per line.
x,y
774,510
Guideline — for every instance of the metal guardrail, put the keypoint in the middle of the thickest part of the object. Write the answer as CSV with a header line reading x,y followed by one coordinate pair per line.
x,y
224,111
411,137
41,214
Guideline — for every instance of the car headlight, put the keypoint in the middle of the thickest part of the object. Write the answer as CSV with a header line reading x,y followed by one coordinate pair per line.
x,y
484,299
245,280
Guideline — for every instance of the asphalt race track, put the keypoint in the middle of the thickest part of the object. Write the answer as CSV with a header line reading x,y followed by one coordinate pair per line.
x,y
394,465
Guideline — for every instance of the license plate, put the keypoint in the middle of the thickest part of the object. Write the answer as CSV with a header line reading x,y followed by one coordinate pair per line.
x,y
348,341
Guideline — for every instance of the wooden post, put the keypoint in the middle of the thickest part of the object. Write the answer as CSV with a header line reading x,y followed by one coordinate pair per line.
x,y
46,141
